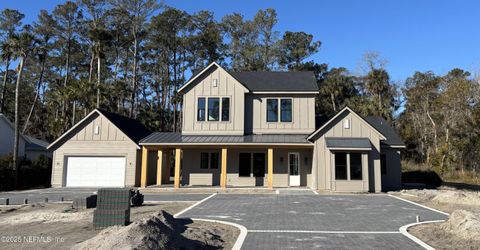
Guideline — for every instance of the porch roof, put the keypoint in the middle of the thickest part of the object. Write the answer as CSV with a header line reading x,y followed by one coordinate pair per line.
x,y
348,143
163,138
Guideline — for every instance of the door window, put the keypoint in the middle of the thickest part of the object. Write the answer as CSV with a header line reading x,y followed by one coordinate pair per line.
x,y
293,164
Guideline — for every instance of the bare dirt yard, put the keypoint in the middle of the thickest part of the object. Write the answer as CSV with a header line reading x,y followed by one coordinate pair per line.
x,y
461,230
55,226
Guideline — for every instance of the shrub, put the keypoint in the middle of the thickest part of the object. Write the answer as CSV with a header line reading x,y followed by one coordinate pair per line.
x,y
30,174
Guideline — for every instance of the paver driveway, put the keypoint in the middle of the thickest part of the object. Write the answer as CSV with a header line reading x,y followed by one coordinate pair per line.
x,y
301,221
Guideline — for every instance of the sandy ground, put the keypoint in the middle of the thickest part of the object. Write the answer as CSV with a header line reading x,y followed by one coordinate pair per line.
x,y
51,226
461,230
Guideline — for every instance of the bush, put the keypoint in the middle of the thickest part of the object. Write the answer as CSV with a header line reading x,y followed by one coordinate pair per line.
x,y
30,174
430,178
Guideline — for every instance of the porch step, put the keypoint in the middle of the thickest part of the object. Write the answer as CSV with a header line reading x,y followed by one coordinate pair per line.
x,y
295,191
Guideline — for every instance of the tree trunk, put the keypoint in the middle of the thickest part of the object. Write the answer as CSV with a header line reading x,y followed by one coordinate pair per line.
x,y
332,98
4,89
134,80
17,122
37,94
99,65
90,70
67,69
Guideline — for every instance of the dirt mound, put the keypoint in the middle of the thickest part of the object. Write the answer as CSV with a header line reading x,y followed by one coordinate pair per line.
x,y
445,196
160,231
463,224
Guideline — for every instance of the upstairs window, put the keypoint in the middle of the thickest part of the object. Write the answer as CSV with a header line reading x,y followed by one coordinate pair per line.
x,y
201,109
225,109
286,110
213,109
272,110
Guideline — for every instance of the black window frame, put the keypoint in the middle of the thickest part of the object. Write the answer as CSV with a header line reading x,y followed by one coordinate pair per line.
x,y
356,173
275,109
282,111
201,115
210,109
344,166
225,118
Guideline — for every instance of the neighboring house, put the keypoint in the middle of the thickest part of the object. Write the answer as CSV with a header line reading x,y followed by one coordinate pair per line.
x,y
258,129
28,147
100,150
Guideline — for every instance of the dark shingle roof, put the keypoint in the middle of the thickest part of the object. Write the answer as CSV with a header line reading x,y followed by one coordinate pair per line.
x,y
34,143
132,128
277,81
348,142
177,138
382,126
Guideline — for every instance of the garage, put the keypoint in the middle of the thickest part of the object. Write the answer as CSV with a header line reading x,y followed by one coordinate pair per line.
x,y
101,150
95,171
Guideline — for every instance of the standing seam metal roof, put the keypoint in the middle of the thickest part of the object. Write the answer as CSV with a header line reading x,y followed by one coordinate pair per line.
x,y
177,138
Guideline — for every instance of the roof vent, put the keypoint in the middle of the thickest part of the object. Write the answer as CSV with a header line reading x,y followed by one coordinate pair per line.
x,y
215,82
346,124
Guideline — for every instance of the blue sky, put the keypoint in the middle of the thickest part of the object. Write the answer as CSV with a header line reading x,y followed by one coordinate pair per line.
x,y
411,34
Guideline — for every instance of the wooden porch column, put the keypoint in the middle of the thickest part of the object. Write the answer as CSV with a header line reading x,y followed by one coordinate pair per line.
x,y
143,173
159,167
223,175
176,183
166,173
270,168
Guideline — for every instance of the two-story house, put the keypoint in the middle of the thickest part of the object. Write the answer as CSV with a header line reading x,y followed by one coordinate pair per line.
x,y
239,129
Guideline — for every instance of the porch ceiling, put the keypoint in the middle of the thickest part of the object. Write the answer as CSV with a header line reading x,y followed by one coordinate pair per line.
x,y
162,138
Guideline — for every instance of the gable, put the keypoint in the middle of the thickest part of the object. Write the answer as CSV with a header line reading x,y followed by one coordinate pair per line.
x,y
209,73
358,127
85,130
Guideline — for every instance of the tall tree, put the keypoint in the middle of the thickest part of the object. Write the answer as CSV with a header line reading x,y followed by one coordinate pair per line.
x,y
10,21
139,11
68,19
264,21
22,45
45,34
295,47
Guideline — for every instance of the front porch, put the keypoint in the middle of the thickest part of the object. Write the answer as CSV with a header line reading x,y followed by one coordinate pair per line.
x,y
222,166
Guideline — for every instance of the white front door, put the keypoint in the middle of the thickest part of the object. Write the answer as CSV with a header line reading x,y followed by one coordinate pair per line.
x,y
294,169
95,172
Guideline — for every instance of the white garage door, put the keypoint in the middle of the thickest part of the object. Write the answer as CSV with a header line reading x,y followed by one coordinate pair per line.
x,y
95,172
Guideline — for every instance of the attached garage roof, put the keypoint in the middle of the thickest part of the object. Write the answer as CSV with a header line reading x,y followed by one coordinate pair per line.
x,y
381,125
132,128
162,138
348,143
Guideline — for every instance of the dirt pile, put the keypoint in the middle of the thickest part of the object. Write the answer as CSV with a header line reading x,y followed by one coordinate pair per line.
x,y
48,213
463,224
160,231
453,196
